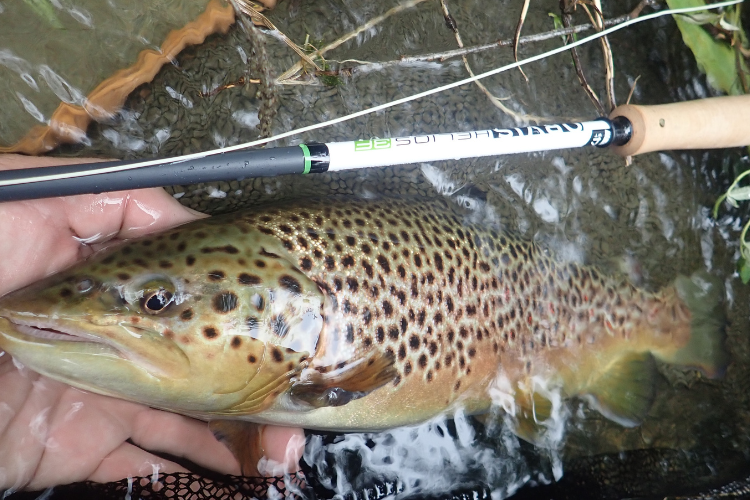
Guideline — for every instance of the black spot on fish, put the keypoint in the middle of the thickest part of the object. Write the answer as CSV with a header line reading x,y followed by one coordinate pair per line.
x,y
249,279
401,352
123,276
417,260
305,263
393,333
186,315
414,342
401,271
165,264
277,355
380,335
216,275
384,264
236,342
438,262
66,292
330,263
366,316
433,348
225,302
252,322
348,261
368,268
210,332
291,284
387,308
190,260
350,333
353,284
407,368
422,361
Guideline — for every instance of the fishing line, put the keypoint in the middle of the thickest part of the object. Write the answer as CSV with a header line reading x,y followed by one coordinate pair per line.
x,y
245,163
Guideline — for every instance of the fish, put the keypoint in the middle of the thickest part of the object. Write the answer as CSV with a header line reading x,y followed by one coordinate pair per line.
x,y
356,315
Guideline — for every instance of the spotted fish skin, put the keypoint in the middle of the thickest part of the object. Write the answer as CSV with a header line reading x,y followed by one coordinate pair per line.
x,y
336,314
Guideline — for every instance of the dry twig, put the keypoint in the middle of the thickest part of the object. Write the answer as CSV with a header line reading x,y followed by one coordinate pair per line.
x,y
519,26
260,20
494,100
566,14
609,65
290,76
632,88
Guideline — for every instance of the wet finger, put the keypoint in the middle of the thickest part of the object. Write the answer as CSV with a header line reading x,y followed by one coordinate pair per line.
x,y
131,461
184,437
283,447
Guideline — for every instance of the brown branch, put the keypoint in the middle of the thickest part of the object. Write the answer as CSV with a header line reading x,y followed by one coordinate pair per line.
x,y
566,18
519,26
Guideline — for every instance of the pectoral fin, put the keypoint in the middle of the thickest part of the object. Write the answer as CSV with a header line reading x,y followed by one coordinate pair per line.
x,y
243,440
531,411
340,386
625,391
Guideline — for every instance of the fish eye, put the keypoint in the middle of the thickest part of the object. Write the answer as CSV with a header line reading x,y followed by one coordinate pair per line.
x,y
156,301
84,285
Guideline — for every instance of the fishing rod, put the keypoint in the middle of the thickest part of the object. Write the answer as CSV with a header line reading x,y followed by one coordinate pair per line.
x,y
718,122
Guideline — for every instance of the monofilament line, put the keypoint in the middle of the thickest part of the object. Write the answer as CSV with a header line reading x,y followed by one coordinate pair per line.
x,y
203,154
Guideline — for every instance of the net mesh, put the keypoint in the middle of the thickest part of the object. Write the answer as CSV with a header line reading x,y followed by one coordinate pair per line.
x,y
179,486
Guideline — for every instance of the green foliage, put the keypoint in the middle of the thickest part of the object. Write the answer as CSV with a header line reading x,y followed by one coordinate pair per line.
x,y
45,10
715,57
735,194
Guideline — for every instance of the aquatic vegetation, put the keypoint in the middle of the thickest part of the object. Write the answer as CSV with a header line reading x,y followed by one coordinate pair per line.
x,y
722,53
735,194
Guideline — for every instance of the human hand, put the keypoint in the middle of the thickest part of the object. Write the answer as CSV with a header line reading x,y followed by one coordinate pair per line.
x,y
51,433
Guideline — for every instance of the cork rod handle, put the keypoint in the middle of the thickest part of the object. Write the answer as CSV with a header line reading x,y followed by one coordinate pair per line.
x,y
716,122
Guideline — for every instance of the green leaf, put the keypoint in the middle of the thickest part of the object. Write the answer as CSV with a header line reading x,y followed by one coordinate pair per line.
x,y
46,10
744,270
739,194
714,57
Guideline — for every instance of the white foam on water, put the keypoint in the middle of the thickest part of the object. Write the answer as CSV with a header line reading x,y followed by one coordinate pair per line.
x,y
432,458
551,431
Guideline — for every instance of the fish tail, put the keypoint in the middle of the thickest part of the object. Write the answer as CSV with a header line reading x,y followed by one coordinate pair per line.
x,y
704,350
684,325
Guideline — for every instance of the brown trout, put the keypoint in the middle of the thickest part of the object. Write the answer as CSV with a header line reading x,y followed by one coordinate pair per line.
x,y
354,315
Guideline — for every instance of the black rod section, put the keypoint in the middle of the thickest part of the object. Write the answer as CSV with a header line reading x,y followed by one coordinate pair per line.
x,y
222,167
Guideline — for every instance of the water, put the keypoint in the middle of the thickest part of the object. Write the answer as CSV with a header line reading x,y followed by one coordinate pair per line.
x,y
650,220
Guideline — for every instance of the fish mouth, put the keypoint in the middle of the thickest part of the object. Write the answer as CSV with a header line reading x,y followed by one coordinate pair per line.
x,y
54,333
76,338
50,332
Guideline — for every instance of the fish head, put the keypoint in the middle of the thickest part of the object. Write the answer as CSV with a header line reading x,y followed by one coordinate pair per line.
x,y
175,322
